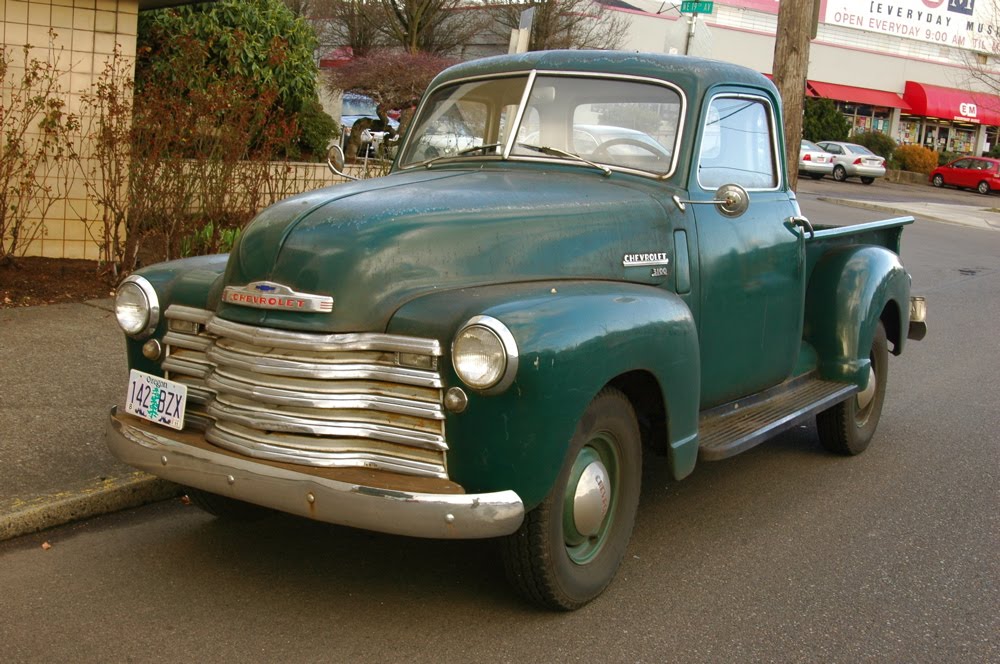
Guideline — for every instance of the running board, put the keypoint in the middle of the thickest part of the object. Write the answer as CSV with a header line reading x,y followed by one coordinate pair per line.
x,y
737,426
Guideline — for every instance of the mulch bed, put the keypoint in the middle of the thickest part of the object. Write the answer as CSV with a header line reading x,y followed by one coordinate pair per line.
x,y
34,281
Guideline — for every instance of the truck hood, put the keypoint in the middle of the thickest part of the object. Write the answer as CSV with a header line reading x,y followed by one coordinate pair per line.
x,y
376,244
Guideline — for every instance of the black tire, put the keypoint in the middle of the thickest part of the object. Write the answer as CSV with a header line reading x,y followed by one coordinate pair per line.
x,y
816,176
848,427
983,188
937,180
839,173
223,507
548,560
867,180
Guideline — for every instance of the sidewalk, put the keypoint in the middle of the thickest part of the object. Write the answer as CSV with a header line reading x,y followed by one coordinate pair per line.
x,y
63,366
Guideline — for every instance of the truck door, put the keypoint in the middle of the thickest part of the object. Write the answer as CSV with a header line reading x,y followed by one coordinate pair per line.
x,y
752,267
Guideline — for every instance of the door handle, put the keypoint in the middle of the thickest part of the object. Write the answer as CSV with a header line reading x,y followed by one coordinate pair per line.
x,y
804,224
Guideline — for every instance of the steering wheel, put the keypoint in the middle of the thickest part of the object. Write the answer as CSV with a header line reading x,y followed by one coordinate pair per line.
x,y
602,151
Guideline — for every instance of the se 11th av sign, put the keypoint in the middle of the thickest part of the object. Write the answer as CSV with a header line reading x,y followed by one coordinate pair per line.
x,y
696,7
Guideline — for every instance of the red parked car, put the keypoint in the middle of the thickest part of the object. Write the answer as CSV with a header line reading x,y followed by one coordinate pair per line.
x,y
979,173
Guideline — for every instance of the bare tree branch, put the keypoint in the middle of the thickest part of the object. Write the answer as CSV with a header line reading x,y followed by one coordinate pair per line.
x,y
562,23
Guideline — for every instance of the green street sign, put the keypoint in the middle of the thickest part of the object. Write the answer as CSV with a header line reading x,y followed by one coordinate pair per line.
x,y
696,7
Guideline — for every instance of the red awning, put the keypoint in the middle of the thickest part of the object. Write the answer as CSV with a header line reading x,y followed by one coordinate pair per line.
x,y
858,95
952,104
809,92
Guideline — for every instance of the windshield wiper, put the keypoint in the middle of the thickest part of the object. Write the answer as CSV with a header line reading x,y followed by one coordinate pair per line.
x,y
556,152
474,148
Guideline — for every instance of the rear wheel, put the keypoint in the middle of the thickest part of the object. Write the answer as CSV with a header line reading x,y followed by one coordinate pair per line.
x,y
937,180
848,427
839,173
983,188
570,546
867,180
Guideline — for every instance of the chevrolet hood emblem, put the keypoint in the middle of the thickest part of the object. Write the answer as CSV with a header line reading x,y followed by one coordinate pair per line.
x,y
269,295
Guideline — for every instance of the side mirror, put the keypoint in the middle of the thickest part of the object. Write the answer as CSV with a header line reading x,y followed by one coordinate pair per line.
x,y
336,161
731,200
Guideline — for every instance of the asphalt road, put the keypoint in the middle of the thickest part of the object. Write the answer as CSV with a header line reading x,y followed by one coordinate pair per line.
x,y
783,554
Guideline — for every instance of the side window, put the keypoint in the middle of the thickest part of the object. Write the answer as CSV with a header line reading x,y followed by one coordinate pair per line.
x,y
737,145
962,163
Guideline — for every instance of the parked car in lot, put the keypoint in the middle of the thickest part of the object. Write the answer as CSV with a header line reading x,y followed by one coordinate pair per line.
x,y
979,173
356,106
853,160
814,161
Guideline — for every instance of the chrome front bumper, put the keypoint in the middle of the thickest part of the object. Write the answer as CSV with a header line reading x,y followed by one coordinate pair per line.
x,y
434,515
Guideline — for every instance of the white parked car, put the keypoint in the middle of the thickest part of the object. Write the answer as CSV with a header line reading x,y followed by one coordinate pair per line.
x,y
853,160
814,161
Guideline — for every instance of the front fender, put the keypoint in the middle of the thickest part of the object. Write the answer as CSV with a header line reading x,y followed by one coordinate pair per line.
x,y
195,282
848,292
573,339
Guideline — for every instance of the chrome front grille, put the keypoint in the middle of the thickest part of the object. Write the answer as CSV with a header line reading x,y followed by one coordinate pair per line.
x,y
327,400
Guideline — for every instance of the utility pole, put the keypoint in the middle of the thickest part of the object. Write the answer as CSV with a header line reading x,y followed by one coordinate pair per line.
x,y
797,22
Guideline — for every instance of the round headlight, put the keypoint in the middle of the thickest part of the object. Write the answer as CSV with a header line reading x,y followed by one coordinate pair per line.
x,y
484,354
136,306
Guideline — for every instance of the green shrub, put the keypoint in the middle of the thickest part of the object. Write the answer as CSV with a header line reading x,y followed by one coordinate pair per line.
x,y
945,157
877,142
823,122
915,158
316,130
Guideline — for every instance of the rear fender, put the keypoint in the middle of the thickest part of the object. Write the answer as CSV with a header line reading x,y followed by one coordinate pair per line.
x,y
573,338
849,291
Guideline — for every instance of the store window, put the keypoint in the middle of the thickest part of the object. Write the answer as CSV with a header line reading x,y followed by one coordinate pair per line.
x,y
866,118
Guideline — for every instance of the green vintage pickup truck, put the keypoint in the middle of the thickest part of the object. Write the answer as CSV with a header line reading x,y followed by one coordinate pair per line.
x,y
578,257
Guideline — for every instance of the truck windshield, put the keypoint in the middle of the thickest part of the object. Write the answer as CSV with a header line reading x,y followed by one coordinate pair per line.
x,y
623,124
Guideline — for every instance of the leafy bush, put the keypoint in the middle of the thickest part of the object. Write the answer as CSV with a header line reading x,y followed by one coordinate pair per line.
x,y
316,128
183,172
915,158
245,40
823,122
877,142
945,157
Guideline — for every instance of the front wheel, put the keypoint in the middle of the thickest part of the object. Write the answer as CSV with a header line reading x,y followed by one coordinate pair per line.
x,y
848,427
570,546
983,188
937,180
839,173
224,507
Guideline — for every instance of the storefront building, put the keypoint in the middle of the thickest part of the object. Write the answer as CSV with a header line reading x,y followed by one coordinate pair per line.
x,y
910,69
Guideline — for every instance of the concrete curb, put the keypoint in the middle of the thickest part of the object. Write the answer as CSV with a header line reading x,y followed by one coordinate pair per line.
x,y
878,207
973,216
21,517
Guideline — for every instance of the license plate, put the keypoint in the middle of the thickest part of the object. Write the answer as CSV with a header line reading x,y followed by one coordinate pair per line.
x,y
156,399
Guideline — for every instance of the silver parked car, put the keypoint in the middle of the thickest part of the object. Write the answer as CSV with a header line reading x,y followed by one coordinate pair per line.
x,y
853,160
814,161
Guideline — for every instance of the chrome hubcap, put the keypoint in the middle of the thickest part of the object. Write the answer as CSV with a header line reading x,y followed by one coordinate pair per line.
x,y
866,395
591,499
